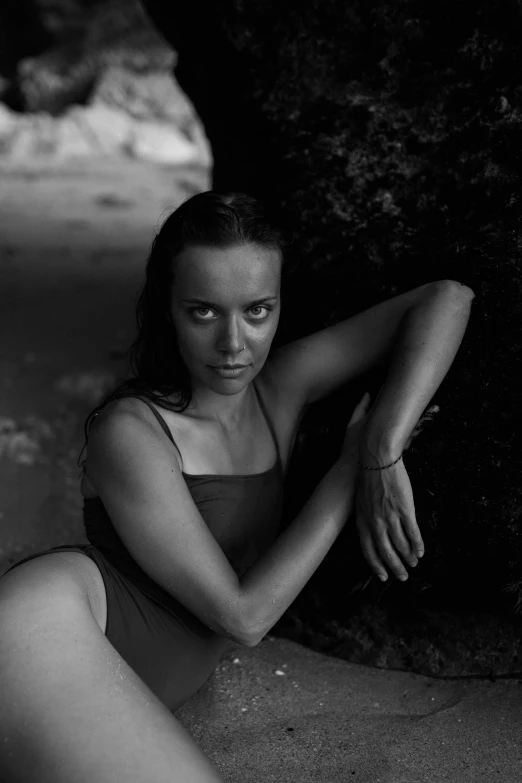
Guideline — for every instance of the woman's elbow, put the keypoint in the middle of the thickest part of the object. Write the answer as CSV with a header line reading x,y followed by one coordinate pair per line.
x,y
248,625
237,631
251,640
456,288
246,634
252,635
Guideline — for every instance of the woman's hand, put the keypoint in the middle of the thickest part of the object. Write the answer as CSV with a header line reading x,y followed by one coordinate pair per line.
x,y
385,518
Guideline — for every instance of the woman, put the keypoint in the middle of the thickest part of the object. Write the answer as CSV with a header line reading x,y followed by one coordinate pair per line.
x,y
183,486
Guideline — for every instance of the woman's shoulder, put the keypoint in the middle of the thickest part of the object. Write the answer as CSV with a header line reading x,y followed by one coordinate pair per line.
x,y
120,408
129,414
124,428
127,449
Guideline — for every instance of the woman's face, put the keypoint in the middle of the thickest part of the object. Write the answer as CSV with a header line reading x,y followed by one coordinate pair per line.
x,y
225,307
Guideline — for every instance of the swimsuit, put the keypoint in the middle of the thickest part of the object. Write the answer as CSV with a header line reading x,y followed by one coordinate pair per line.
x,y
173,651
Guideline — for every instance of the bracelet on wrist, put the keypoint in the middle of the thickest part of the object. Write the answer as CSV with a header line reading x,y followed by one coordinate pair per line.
x,y
380,467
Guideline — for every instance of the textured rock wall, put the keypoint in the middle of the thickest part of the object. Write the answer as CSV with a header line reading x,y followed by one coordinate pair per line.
x,y
388,134
88,77
55,50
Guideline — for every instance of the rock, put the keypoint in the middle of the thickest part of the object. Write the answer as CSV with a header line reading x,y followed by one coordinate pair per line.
x,y
96,130
80,40
104,86
160,112
23,33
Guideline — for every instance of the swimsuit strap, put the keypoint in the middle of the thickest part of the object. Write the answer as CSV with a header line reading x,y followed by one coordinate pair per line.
x,y
268,420
167,431
165,427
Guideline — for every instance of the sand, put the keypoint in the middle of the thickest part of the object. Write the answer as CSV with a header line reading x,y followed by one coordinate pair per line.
x,y
279,713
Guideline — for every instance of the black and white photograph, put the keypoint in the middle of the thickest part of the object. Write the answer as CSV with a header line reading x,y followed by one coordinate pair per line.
x,y
260,324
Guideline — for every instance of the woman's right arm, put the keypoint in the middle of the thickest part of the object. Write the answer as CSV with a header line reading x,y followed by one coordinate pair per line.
x,y
281,572
279,575
136,473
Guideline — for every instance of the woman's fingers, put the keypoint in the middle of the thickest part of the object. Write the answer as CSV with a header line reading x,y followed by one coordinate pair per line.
x,y
389,557
411,529
406,511
386,521
370,554
404,507
401,543
379,550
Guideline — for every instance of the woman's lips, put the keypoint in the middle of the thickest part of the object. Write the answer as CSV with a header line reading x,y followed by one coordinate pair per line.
x,y
228,372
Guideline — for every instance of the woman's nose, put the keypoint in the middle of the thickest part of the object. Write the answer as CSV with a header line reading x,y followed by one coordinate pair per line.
x,y
230,339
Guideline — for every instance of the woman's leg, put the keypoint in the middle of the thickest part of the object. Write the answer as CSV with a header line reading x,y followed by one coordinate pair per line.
x,y
72,710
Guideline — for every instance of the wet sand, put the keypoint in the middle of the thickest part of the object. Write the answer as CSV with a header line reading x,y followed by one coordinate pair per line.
x,y
280,712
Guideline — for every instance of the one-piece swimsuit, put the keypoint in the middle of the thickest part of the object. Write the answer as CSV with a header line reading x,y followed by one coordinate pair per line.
x,y
170,648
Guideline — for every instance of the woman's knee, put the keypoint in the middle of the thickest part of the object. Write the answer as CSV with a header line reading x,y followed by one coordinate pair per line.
x,y
37,597
51,577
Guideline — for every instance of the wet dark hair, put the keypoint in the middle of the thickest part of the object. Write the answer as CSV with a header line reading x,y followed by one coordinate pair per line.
x,y
212,219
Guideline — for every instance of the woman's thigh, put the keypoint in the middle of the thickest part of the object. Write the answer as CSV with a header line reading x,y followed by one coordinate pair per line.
x,y
75,566
172,660
72,709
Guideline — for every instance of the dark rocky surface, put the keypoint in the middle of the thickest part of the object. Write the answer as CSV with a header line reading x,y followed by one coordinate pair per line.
x,y
53,52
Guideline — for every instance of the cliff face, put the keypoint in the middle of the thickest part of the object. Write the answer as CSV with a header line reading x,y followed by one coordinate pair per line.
x,y
388,135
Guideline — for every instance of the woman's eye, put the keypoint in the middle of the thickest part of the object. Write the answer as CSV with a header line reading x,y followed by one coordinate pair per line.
x,y
200,312
258,312
261,311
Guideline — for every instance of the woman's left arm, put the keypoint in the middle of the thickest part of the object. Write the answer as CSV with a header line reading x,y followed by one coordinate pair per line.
x,y
416,335
426,344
